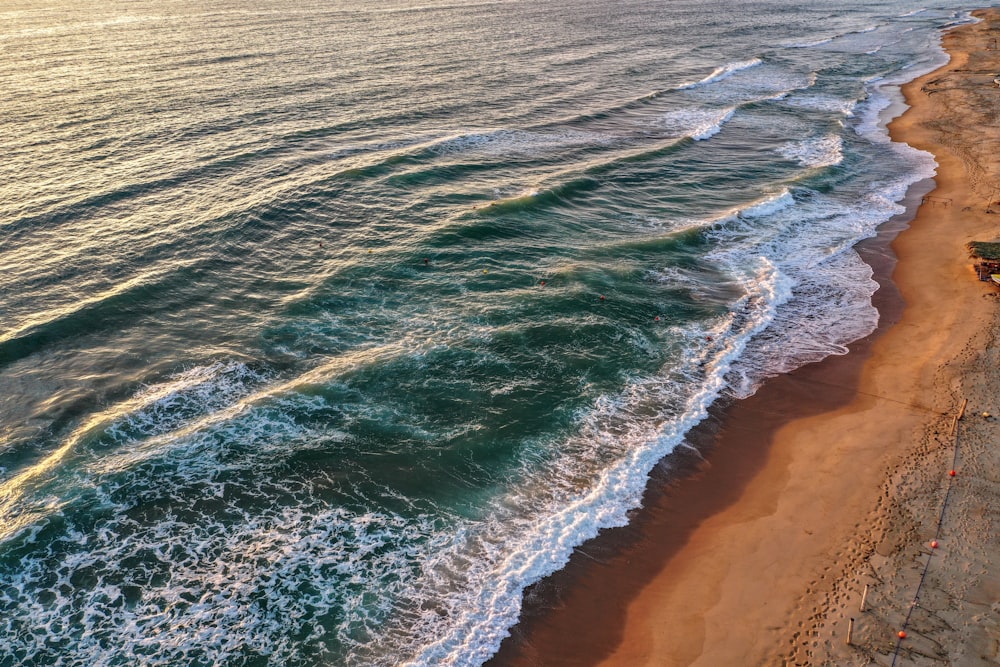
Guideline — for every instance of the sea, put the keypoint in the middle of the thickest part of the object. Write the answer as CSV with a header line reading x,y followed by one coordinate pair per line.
x,y
327,327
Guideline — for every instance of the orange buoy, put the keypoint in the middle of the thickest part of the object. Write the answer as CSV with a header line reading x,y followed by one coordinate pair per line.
x,y
542,283
656,319
902,634
602,297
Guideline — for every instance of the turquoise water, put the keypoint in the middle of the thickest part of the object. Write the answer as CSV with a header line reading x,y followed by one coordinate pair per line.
x,y
327,329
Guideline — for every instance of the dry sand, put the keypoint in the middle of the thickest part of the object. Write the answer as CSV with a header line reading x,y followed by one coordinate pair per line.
x,y
834,476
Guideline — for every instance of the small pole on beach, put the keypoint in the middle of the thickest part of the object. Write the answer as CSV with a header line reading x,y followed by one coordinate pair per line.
x,y
850,630
864,596
961,413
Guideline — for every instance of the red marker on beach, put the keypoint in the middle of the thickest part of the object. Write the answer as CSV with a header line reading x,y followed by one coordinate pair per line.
x,y
934,544
951,473
902,634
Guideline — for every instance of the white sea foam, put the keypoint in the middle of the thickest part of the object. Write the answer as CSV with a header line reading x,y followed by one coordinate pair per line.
x,y
260,565
815,152
164,406
246,562
810,44
697,123
760,83
193,588
542,524
823,103
812,242
725,71
155,409
768,205
244,565
738,220
884,102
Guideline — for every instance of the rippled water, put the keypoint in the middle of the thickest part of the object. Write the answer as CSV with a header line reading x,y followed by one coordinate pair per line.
x,y
326,329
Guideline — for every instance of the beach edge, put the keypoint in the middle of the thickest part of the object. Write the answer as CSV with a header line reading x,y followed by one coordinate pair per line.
x,y
803,485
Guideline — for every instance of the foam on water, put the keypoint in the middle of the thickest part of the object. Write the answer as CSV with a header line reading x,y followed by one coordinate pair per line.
x,y
745,86
811,240
193,589
822,103
519,143
31,495
269,512
801,241
724,71
695,123
249,564
248,567
815,152
809,236
570,502
768,205
810,44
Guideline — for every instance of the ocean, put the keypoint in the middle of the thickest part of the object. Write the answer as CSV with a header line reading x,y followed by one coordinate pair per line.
x,y
327,328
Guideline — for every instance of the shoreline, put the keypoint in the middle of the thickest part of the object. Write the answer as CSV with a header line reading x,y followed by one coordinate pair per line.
x,y
758,552
687,488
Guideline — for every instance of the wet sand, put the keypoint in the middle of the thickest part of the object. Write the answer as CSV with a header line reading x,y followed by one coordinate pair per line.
x,y
754,547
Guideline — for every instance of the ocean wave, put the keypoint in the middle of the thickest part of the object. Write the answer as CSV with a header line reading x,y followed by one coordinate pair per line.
x,y
723,72
212,546
270,512
739,217
761,83
570,503
219,580
768,205
204,533
101,311
823,103
154,410
811,238
809,44
696,123
815,152
838,38
519,143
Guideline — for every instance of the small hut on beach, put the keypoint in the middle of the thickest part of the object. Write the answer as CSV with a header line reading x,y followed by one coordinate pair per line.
x,y
986,258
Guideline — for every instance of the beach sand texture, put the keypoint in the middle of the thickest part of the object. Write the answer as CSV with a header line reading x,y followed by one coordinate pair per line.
x,y
835,476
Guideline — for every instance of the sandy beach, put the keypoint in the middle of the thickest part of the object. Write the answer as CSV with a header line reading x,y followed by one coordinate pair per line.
x,y
757,548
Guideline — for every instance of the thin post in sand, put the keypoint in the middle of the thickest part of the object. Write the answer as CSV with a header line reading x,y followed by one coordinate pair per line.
x,y
954,421
864,596
850,630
